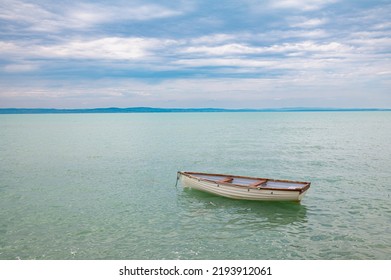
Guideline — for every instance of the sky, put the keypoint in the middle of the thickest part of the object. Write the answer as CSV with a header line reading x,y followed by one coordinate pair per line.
x,y
170,54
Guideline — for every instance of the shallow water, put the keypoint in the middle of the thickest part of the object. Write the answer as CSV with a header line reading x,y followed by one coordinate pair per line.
x,y
102,186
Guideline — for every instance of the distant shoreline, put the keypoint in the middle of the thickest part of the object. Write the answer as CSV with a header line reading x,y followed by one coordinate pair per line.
x,y
177,110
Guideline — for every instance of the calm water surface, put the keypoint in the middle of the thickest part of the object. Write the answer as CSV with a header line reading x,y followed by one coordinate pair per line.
x,y
102,186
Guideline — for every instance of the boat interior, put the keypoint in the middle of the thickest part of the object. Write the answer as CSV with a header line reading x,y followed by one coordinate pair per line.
x,y
250,182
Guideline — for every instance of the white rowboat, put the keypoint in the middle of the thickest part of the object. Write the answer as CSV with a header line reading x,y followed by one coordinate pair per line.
x,y
243,187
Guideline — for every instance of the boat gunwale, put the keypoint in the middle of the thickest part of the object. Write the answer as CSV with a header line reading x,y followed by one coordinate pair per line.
x,y
305,187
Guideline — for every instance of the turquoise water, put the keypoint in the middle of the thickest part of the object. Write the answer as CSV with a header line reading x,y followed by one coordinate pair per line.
x,y
102,186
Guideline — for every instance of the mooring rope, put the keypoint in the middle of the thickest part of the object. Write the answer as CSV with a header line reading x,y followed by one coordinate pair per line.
x,y
177,179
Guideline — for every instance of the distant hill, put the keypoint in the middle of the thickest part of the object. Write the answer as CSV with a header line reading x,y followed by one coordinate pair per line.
x,y
174,110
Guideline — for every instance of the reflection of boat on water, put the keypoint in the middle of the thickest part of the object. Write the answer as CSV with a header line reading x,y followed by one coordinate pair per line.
x,y
242,213
245,188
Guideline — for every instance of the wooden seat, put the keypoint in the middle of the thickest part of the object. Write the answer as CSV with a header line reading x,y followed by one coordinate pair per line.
x,y
226,180
258,183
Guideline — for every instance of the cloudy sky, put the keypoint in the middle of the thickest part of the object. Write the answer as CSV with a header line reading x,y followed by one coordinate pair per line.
x,y
195,53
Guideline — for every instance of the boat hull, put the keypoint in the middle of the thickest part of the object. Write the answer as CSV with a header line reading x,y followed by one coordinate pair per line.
x,y
240,192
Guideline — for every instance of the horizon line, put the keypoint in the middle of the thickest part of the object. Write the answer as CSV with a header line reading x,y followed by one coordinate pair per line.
x,y
177,110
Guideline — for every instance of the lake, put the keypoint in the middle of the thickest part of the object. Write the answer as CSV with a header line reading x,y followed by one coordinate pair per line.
x,y
102,186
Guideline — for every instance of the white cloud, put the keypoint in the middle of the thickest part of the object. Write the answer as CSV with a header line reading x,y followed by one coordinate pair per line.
x,y
20,10
32,16
308,23
227,49
114,48
21,67
371,44
104,48
309,46
382,25
179,55
59,16
7,47
260,65
214,39
278,36
226,62
305,5
240,49
95,13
